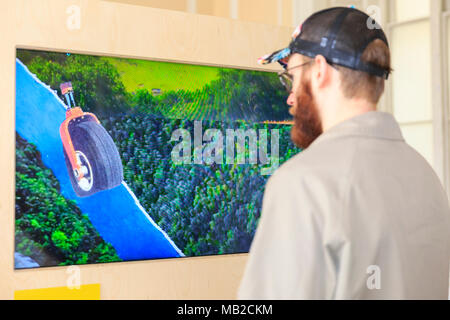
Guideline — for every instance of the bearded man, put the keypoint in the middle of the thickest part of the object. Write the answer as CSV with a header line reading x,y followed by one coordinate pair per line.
x,y
358,214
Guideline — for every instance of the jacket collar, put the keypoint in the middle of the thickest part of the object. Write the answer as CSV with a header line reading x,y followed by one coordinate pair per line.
x,y
373,124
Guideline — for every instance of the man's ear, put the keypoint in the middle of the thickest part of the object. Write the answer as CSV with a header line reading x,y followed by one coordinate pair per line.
x,y
322,72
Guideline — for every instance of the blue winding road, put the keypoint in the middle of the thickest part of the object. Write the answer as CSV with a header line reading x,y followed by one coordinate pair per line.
x,y
116,213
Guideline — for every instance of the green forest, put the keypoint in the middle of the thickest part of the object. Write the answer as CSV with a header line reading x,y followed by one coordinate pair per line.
x,y
205,209
98,88
49,228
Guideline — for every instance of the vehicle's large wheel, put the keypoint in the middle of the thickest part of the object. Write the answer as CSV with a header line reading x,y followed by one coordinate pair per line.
x,y
101,164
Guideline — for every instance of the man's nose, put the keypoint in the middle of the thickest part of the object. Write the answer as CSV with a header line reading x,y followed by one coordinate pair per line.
x,y
290,99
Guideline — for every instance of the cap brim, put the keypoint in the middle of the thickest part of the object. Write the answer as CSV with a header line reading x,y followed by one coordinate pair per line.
x,y
280,56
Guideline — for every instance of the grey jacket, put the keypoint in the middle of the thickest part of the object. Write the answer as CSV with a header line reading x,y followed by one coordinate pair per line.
x,y
357,215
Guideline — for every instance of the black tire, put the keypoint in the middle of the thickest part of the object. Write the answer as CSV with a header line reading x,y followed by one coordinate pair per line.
x,y
98,149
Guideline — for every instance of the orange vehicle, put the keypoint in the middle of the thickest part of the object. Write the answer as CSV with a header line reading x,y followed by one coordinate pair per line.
x,y
92,159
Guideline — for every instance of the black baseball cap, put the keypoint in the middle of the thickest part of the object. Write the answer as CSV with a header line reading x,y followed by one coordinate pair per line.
x,y
339,34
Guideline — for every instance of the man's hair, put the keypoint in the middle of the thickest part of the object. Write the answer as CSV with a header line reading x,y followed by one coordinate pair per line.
x,y
360,84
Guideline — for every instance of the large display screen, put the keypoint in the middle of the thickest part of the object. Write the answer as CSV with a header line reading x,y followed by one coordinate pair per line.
x,y
123,159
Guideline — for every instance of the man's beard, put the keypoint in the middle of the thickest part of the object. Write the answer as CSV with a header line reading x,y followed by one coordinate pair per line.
x,y
307,124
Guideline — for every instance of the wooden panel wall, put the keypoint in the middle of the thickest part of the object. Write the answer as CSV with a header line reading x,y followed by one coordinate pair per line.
x,y
275,12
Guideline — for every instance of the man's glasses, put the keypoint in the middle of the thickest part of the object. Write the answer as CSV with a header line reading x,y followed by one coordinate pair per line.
x,y
287,79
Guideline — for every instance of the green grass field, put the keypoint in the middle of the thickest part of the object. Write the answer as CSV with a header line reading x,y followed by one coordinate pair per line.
x,y
144,74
